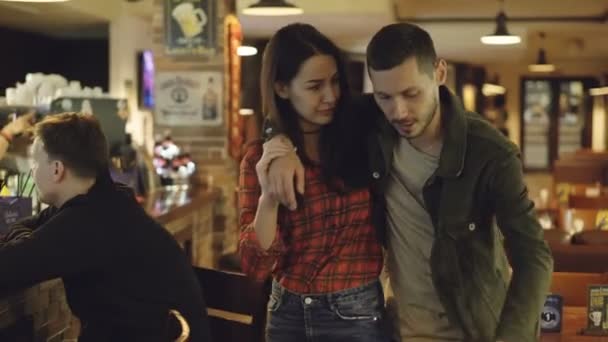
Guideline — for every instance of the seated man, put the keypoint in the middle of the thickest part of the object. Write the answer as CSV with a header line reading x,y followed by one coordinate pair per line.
x,y
122,271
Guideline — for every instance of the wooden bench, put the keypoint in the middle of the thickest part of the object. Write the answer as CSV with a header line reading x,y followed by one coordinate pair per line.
x,y
579,258
587,202
591,238
573,286
580,171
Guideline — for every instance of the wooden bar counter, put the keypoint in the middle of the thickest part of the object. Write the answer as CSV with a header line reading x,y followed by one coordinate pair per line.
x,y
188,214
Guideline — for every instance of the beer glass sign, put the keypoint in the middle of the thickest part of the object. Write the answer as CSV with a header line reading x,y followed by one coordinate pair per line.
x,y
190,27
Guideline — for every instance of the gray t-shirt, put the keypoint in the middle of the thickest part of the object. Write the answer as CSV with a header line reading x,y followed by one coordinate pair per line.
x,y
420,314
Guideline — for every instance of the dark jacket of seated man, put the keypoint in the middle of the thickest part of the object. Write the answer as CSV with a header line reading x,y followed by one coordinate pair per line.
x,y
122,270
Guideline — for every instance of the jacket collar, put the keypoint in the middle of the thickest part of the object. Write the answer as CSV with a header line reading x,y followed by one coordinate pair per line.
x,y
454,127
103,184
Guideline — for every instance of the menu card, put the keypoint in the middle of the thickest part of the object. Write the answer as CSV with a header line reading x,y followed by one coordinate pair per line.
x,y
597,309
551,317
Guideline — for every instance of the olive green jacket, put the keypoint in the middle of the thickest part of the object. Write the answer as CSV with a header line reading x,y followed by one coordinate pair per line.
x,y
479,206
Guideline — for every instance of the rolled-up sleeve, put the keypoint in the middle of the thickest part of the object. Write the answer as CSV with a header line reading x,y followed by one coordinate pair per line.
x,y
257,262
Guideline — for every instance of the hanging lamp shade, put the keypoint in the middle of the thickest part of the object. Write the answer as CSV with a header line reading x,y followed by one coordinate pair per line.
x,y
493,87
501,35
602,89
272,8
246,50
541,64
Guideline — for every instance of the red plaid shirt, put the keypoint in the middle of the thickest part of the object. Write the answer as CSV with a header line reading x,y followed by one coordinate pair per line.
x,y
326,245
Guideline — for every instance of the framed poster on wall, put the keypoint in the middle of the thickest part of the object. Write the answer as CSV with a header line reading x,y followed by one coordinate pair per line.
x,y
190,27
185,98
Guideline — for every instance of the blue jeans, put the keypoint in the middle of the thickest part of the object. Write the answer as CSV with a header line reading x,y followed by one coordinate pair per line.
x,y
352,315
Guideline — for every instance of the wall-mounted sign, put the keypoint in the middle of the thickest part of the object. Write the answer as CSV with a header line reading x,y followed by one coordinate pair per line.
x,y
597,310
189,98
190,27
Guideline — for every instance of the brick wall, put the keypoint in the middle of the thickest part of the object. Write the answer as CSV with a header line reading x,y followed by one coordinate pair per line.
x,y
207,145
46,306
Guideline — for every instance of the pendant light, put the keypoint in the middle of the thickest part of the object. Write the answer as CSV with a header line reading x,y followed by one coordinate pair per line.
x,y
493,87
246,50
541,64
501,35
272,8
602,90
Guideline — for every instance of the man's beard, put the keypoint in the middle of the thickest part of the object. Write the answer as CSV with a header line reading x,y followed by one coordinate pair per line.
x,y
430,115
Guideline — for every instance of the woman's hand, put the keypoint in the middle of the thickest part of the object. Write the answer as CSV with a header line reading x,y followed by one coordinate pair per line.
x,y
19,125
278,146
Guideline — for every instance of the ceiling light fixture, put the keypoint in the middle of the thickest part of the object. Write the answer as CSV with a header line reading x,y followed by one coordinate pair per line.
x,y
246,111
541,64
501,35
601,90
246,50
493,87
272,8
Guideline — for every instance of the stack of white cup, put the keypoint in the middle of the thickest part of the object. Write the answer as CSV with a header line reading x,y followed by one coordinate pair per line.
x,y
40,90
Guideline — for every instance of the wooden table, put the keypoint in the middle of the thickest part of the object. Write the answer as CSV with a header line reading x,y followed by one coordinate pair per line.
x,y
574,319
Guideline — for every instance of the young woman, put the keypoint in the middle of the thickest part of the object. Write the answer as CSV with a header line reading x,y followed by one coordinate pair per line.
x,y
324,256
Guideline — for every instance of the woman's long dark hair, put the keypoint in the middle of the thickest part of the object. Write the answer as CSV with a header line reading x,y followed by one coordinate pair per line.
x,y
285,53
